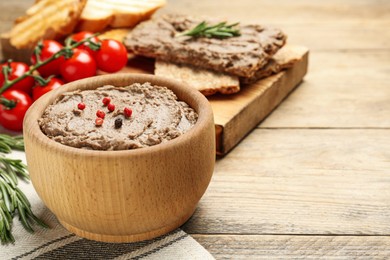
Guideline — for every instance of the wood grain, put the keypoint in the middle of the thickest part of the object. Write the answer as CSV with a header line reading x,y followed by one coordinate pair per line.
x,y
295,247
300,181
334,25
342,90
284,11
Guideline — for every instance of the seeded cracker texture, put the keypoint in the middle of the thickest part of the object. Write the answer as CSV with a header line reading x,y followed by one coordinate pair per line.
x,y
158,116
241,56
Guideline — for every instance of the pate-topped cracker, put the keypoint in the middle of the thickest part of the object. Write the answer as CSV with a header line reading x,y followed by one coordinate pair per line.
x,y
241,56
283,59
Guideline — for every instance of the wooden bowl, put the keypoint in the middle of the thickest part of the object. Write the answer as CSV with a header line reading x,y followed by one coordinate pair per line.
x,y
122,196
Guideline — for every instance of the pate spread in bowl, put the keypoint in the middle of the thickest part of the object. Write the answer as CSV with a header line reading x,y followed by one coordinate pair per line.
x,y
131,117
121,158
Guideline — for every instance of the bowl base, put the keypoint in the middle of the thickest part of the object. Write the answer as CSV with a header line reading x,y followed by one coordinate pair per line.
x,y
126,238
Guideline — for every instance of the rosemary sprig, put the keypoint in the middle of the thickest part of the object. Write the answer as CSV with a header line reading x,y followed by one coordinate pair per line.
x,y
7,143
221,30
5,223
12,200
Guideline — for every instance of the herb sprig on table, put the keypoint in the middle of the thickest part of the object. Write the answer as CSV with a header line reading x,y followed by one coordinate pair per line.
x,y
7,143
221,30
12,200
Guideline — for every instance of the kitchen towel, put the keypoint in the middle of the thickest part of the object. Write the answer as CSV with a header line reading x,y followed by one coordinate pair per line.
x,y
58,243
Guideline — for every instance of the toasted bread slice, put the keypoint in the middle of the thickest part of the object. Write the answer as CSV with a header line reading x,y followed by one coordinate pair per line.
x,y
206,81
46,19
99,14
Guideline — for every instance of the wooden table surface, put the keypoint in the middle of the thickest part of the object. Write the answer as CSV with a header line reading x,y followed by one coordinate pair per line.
x,y
313,179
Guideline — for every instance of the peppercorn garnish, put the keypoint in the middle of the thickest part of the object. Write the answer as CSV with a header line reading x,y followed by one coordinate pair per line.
x,y
106,101
76,112
111,107
127,111
81,106
99,121
100,114
118,123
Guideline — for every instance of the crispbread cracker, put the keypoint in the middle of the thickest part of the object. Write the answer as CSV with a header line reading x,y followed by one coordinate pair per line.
x,y
283,59
206,81
241,56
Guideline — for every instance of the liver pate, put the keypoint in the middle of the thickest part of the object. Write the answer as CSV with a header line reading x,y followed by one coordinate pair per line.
x,y
157,117
241,56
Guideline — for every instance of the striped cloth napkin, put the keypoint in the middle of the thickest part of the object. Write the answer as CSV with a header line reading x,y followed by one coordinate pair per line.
x,y
58,243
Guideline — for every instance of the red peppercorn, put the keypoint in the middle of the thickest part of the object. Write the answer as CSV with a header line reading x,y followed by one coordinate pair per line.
x,y
100,114
106,101
111,107
81,106
99,121
127,111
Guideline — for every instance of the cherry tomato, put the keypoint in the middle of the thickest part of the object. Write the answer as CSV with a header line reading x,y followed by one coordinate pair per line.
x,y
80,65
49,49
12,118
18,69
39,90
84,35
112,56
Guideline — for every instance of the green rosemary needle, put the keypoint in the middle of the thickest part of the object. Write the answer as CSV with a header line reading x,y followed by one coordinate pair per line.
x,y
221,30
7,143
12,200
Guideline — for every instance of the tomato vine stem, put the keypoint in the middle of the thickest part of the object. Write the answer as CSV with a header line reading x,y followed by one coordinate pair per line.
x,y
66,51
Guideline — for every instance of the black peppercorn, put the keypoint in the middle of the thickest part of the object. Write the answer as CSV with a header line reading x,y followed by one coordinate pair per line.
x,y
118,123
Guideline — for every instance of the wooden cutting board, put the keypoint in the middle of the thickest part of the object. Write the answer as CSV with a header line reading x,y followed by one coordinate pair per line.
x,y
236,115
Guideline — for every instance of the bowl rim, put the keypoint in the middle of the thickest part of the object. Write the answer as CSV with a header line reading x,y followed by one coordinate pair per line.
x,y
31,127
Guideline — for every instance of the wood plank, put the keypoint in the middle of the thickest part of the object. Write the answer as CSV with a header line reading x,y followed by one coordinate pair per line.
x,y
327,26
362,35
288,247
300,181
286,11
236,115
342,89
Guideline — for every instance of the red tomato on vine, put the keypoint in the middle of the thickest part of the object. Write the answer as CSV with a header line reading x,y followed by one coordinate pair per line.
x,y
13,107
112,56
49,48
86,46
39,90
80,65
17,70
